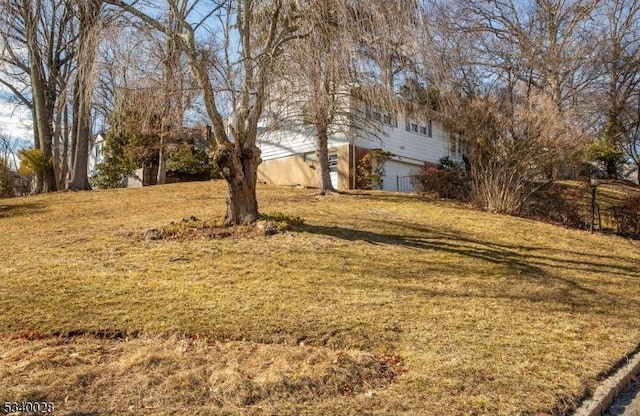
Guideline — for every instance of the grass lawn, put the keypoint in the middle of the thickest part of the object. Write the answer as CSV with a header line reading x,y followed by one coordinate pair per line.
x,y
380,304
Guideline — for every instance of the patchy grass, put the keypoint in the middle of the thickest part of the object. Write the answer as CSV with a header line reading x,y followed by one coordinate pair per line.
x,y
378,304
609,193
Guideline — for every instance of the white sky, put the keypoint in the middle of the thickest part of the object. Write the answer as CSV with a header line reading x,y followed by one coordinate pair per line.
x,y
15,120
15,123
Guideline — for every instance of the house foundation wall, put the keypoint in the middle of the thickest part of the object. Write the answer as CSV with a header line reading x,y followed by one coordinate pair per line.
x,y
297,170
289,171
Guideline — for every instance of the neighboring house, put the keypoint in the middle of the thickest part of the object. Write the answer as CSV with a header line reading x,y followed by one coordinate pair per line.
x,y
96,154
289,156
20,185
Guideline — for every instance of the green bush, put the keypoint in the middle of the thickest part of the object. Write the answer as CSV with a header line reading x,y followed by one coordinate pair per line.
x,y
187,160
608,154
119,161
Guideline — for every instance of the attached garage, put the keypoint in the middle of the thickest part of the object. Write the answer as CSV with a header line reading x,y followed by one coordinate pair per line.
x,y
398,176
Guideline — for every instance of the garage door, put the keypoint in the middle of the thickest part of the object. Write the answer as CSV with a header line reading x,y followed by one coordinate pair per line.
x,y
333,169
398,176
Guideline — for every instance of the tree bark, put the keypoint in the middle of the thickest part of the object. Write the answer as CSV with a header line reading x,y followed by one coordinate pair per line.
x,y
239,167
161,178
44,120
322,154
89,12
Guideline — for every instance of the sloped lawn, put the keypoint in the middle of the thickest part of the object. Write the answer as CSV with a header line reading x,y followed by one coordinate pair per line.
x,y
379,304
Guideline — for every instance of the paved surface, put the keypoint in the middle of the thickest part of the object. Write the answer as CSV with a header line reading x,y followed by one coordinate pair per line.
x,y
628,403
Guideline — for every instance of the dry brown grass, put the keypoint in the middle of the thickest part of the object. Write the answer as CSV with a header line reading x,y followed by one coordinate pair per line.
x,y
490,314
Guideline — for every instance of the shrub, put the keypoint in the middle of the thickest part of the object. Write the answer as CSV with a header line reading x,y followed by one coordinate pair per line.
x,y
555,204
187,160
627,217
370,172
449,180
33,162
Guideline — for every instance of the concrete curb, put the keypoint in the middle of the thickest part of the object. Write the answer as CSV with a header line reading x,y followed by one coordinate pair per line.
x,y
605,394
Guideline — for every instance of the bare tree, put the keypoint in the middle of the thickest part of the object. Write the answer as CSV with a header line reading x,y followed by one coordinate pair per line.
x,y
262,29
89,29
509,93
620,65
9,150
38,41
338,76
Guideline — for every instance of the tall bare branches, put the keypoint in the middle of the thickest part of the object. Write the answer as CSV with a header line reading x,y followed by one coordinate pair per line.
x,y
38,40
262,29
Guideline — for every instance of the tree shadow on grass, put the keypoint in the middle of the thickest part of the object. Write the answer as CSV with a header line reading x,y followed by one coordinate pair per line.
x,y
585,262
537,265
18,210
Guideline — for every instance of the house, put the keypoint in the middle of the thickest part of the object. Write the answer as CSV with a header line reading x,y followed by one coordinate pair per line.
x,y
289,154
20,185
96,153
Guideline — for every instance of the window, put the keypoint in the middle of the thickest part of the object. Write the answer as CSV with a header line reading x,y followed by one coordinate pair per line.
x,y
423,130
414,128
386,119
333,163
430,133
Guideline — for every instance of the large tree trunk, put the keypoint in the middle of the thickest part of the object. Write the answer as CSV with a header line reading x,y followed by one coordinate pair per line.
x,y
80,177
48,183
38,179
161,179
65,147
43,118
322,154
81,133
239,167
89,12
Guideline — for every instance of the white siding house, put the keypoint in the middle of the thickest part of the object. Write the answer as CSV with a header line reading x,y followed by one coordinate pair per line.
x,y
289,156
96,154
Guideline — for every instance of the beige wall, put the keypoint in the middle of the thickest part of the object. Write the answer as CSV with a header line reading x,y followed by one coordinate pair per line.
x,y
295,171
289,171
343,167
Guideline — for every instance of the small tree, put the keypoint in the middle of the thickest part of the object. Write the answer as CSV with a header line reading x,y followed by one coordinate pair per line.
x,y
119,161
608,154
